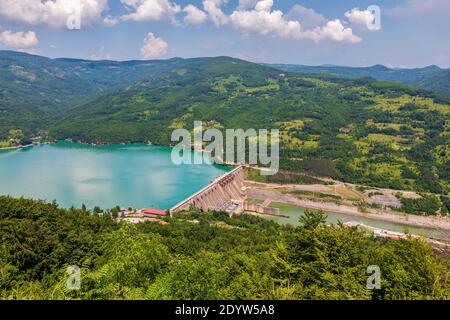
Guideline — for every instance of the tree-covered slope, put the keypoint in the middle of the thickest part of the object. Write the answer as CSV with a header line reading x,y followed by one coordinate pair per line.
x,y
375,133
431,78
218,257
33,88
150,110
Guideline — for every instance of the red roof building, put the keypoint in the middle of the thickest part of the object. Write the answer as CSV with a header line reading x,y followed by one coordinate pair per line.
x,y
154,212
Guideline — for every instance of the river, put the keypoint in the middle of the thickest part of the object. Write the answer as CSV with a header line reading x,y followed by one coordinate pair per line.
x,y
294,213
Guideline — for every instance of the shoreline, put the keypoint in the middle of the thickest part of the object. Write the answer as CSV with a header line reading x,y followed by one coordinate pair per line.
x,y
265,190
17,147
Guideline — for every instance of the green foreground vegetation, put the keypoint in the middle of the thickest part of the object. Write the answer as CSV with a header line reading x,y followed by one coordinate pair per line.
x,y
204,256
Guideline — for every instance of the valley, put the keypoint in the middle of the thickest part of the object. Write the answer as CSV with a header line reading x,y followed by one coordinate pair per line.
x,y
87,180
360,131
224,159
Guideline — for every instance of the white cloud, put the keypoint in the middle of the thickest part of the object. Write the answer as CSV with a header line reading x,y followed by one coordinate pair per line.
x,y
53,13
361,18
101,55
264,5
151,10
194,15
265,21
110,21
153,47
333,30
18,40
215,13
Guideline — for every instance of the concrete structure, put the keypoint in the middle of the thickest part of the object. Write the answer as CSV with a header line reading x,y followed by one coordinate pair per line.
x,y
261,208
226,193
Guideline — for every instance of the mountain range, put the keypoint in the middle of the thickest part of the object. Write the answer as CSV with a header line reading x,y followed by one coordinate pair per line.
x,y
430,78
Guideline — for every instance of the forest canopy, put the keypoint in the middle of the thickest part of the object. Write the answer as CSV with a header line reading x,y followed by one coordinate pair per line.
x,y
204,256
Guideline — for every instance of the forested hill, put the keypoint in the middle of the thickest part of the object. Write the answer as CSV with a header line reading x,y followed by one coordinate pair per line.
x,y
376,133
224,91
369,132
431,78
35,88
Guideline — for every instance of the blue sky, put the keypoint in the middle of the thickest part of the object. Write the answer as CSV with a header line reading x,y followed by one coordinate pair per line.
x,y
414,33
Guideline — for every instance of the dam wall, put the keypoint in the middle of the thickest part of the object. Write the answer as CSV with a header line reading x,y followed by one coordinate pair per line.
x,y
225,193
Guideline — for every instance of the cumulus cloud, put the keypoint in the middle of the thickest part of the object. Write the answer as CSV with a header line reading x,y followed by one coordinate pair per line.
x,y
361,18
151,10
215,13
53,13
333,30
110,21
264,5
153,47
18,40
265,21
194,15
101,55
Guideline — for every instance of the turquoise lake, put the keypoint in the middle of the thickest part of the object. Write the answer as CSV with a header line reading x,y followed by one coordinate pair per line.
x,y
126,175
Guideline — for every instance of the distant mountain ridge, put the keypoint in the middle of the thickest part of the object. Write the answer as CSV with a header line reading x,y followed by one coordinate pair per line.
x,y
430,78
32,88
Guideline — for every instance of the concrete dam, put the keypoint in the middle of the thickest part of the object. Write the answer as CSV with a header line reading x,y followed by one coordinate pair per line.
x,y
227,193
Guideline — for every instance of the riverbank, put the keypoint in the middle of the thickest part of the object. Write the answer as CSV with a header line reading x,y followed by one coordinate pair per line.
x,y
27,145
387,234
17,147
266,191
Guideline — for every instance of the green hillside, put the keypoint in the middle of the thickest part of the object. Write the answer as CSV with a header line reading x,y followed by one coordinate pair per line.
x,y
369,132
363,131
33,88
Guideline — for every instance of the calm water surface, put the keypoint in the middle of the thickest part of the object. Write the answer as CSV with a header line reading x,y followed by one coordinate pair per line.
x,y
125,175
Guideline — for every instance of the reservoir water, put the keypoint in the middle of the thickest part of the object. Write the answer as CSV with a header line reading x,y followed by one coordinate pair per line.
x,y
126,175
135,176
